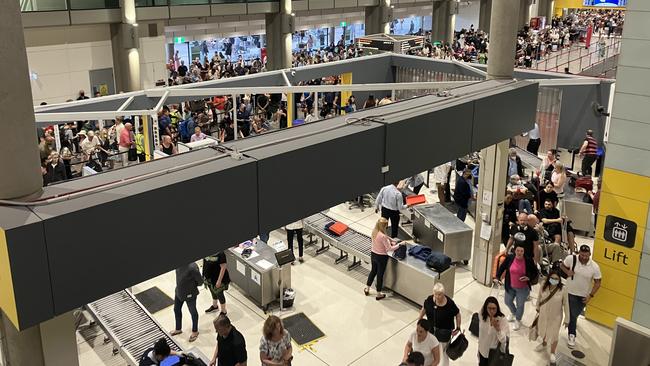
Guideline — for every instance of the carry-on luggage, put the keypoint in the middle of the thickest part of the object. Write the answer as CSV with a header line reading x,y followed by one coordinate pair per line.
x,y
438,261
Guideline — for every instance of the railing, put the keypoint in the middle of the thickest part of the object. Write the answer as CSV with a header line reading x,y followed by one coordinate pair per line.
x,y
581,59
28,6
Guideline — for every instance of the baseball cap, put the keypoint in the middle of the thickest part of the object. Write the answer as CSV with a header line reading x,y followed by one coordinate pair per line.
x,y
585,248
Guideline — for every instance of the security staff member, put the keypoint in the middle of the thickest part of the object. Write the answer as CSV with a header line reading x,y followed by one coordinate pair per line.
x,y
391,201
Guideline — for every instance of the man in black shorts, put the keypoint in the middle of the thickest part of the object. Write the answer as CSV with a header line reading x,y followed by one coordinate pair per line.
x,y
531,242
552,221
217,279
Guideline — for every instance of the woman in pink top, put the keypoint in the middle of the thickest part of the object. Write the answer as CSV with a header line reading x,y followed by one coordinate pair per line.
x,y
520,272
381,244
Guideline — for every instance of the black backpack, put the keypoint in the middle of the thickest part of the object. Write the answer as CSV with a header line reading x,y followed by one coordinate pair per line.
x,y
473,325
400,253
439,262
557,265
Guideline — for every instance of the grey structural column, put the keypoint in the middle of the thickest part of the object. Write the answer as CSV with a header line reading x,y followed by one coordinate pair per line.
x,y
19,156
549,12
279,28
443,21
126,41
494,159
524,13
378,18
484,15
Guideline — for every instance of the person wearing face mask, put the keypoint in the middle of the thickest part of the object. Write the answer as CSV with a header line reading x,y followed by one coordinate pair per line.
x,y
552,306
520,272
515,167
530,238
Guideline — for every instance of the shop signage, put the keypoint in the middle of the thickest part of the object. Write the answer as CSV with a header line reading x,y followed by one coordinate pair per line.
x,y
620,231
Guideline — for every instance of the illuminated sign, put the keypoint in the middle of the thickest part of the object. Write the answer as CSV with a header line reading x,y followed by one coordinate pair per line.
x,y
604,3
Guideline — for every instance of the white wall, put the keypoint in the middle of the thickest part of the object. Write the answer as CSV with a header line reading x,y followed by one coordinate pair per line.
x,y
152,61
63,69
467,15
62,58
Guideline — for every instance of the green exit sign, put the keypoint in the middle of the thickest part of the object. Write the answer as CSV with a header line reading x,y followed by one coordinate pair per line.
x,y
343,24
179,39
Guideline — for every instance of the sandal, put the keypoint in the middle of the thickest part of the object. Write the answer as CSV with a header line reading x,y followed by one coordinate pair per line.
x,y
366,291
176,332
194,336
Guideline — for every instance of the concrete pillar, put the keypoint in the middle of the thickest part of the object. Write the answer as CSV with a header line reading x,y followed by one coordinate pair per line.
x,y
19,156
503,39
443,21
494,164
126,56
279,28
332,35
484,15
550,10
524,13
378,18
51,343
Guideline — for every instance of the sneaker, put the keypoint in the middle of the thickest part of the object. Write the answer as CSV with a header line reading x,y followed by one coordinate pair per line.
x,y
572,341
511,318
540,347
516,325
553,359
211,309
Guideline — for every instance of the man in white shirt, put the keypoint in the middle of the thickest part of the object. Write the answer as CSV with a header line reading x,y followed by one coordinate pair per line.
x,y
534,140
89,145
391,201
581,271
441,177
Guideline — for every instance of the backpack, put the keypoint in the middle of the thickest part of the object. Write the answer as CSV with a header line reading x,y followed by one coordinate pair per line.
x,y
400,253
145,360
420,252
573,266
438,261
184,129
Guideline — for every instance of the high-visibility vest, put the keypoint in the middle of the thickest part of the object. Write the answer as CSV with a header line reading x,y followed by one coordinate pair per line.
x,y
139,143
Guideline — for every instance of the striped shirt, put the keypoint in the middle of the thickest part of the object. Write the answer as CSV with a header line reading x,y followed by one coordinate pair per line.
x,y
592,146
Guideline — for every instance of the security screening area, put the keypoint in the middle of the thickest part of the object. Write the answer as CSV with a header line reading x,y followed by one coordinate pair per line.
x,y
462,219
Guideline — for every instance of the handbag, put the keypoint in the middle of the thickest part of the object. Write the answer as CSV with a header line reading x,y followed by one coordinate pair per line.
x,y
133,154
500,358
533,333
457,347
473,325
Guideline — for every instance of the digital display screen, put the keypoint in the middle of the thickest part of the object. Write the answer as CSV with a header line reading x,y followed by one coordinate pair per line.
x,y
606,3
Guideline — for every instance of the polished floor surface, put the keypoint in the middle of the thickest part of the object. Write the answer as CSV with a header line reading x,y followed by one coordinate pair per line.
x,y
359,330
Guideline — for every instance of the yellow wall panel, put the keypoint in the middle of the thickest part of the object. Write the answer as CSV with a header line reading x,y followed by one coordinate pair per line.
x,y
625,208
627,185
346,79
617,256
613,303
618,281
601,317
7,296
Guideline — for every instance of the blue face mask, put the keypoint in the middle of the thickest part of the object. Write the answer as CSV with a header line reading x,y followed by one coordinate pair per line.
x,y
553,281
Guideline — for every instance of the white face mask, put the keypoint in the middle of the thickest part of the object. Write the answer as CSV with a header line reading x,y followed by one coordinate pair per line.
x,y
553,281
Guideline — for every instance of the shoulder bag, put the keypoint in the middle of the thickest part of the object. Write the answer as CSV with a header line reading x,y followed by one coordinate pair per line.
x,y
497,357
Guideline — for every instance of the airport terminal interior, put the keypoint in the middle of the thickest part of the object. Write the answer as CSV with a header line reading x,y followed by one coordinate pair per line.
x,y
325,182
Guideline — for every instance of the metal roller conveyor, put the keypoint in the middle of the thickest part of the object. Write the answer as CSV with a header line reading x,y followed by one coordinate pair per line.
x,y
352,242
129,325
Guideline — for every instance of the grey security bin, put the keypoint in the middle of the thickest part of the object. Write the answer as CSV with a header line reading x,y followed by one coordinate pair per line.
x,y
440,230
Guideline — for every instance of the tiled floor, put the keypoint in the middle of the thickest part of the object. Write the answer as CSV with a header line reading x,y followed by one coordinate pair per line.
x,y
359,330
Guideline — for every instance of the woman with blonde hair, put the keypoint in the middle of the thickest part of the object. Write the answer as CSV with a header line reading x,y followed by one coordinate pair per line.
x,y
381,244
559,178
275,344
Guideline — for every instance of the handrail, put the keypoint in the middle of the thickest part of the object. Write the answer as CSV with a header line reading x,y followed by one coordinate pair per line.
x,y
606,51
